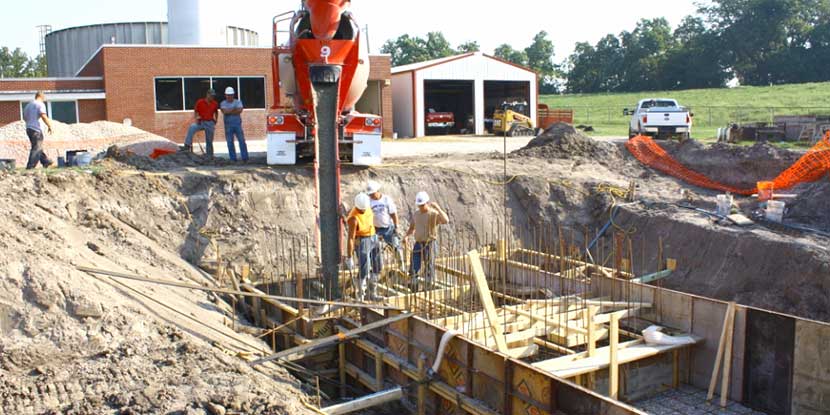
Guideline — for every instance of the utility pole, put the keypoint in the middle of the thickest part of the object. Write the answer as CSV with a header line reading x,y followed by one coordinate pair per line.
x,y
368,45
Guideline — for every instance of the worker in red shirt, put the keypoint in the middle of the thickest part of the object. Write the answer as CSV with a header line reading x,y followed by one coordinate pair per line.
x,y
205,114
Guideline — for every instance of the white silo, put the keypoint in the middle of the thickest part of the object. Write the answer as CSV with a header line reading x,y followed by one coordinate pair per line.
x,y
197,22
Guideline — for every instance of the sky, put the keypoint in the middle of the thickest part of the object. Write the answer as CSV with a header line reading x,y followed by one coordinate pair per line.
x,y
490,22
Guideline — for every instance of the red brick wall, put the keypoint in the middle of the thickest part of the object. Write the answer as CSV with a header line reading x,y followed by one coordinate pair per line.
x,y
381,69
9,112
129,74
95,66
90,110
45,84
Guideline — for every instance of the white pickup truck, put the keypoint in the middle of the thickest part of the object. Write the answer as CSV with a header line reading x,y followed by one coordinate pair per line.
x,y
660,118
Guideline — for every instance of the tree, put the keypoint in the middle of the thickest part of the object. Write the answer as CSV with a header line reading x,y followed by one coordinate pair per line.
x,y
695,44
771,41
37,66
644,51
437,46
469,46
14,64
506,52
407,49
540,56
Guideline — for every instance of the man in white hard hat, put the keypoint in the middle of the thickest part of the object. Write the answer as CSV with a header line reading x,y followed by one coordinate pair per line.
x,y
386,219
424,226
232,109
364,241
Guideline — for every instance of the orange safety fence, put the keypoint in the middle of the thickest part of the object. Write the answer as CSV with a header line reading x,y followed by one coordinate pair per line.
x,y
809,168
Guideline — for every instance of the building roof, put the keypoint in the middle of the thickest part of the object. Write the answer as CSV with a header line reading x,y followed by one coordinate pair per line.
x,y
414,67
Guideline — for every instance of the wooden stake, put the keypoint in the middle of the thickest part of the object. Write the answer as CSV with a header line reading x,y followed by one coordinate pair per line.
x,y
719,357
727,359
341,367
422,385
614,368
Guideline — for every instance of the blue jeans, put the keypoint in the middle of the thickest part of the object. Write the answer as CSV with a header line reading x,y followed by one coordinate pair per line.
x,y
36,154
368,256
230,132
423,252
209,127
389,236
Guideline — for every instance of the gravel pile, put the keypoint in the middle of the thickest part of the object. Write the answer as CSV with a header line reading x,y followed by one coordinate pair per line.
x,y
94,137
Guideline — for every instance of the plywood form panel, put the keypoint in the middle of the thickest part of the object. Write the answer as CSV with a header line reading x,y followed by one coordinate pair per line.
x,y
811,369
707,322
770,340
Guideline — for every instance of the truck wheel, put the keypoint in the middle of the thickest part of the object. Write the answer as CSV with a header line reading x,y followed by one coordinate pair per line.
x,y
684,137
631,134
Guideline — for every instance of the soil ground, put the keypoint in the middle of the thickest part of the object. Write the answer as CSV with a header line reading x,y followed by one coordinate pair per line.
x,y
74,343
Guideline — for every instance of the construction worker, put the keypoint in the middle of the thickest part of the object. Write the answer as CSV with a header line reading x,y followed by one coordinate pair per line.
x,y
204,114
363,240
232,109
386,220
424,226
33,113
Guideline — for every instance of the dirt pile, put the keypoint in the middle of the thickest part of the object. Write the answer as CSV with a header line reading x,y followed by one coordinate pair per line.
x,y
733,165
564,141
78,344
181,159
812,206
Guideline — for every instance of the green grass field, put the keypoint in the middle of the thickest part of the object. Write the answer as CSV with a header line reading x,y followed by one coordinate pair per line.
x,y
713,108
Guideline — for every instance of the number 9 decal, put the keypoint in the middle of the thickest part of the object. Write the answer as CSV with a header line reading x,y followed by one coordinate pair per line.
x,y
325,52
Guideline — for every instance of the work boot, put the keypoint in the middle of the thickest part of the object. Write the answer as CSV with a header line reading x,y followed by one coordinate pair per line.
x,y
361,290
373,290
186,148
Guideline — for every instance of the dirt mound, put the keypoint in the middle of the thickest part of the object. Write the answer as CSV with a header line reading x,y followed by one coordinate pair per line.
x,y
74,343
733,165
812,206
564,141
166,162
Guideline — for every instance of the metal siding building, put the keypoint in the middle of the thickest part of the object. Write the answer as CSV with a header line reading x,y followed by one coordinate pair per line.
x,y
482,80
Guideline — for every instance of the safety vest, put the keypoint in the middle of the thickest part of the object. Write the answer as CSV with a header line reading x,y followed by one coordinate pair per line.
x,y
365,222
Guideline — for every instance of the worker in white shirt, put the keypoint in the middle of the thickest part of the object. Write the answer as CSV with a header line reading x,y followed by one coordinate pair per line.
x,y
386,219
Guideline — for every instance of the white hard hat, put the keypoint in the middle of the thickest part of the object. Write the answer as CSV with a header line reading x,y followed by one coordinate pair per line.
x,y
421,198
362,201
372,187
229,91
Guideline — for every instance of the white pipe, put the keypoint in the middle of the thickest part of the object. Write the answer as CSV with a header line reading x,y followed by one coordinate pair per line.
x,y
444,340
364,402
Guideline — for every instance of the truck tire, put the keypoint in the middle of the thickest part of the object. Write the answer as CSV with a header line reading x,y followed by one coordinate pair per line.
x,y
631,134
684,137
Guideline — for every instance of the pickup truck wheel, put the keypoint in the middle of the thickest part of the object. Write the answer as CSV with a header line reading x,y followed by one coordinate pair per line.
x,y
684,137
631,134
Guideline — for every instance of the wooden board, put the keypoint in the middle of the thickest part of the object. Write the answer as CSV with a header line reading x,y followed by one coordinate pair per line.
x,y
567,367
483,289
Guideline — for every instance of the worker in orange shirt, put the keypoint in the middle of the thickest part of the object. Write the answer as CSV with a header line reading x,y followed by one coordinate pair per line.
x,y
204,114
363,240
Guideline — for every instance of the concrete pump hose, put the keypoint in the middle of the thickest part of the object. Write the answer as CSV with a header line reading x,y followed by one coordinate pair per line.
x,y
445,339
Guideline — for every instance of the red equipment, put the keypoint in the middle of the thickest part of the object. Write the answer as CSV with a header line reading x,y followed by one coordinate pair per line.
x,y
318,78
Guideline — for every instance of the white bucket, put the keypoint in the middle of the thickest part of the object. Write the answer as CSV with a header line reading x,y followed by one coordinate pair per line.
x,y
775,210
724,205
82,159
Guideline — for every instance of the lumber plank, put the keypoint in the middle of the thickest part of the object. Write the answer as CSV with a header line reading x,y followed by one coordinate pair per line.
x,y
300,351
571,366
487,300
719,356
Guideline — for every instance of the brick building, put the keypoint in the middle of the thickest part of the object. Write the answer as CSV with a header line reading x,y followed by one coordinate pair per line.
x,y
156,86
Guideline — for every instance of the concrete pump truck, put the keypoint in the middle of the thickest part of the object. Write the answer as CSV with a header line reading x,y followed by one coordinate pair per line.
x,y
319,75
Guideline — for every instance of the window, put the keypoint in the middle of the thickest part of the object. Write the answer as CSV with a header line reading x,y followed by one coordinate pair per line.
x,y
194,90
252,92
63,111
169,94
181,93
219,84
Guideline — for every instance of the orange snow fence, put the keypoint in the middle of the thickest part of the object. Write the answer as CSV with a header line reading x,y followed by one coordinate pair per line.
x,y
809,168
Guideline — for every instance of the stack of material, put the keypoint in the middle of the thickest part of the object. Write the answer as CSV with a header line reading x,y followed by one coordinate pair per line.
x,y
93,137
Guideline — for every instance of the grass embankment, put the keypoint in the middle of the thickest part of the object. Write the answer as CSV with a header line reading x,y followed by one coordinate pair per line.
x,y
713,108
